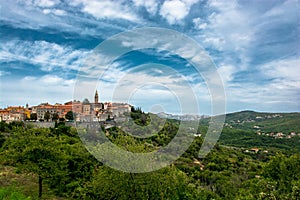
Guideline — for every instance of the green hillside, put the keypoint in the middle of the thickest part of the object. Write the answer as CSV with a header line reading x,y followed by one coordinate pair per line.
x,y
52,163
248,129
266,122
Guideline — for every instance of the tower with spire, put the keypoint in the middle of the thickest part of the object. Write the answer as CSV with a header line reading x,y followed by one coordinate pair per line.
x,y
96,97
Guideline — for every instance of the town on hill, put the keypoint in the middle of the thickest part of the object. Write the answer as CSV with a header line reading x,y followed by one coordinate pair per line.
x,y
84,111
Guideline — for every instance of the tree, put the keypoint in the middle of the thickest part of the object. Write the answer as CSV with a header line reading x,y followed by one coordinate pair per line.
x,y
55,117
33,116
284,171
61,119
69,115
139,116
79,169
47,116
35,151
143,119
4,126
167,183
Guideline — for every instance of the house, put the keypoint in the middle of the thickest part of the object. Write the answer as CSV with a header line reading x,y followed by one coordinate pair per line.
x,y
14,113
255,150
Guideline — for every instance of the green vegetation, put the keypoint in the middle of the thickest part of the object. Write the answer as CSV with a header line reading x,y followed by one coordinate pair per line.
x,y
139,117
70,115
47,116
249,139
52,163
267,122
251,129
33,116
11,193
55,117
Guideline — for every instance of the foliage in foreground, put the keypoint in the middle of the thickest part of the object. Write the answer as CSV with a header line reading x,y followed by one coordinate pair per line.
x,y
59,159
11,193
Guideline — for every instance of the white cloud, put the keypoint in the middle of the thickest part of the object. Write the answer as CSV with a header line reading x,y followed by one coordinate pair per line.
x,y
168,40
226,72
105,9
29,16
29,78
46,55
34,90
263,94
55,80
49,80
150,5
199,23
55,11
4,73
216,42
281,10
68,16
175,10
231,23
241,29
228,28
277,87
42,3
285,72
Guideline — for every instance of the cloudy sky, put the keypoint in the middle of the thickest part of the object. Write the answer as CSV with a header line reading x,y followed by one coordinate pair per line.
x,y
254,45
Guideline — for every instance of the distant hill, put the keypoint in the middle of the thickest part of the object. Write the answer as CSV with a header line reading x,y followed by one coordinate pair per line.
x,y
264,122
265,130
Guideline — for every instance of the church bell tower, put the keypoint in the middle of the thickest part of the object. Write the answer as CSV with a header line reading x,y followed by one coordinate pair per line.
x,y
96,97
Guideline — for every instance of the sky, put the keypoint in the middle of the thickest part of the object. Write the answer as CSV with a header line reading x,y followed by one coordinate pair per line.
x,y
254,46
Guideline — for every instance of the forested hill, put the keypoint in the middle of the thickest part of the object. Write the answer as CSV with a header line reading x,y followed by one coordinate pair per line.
x,y
265,130
265,122
262,122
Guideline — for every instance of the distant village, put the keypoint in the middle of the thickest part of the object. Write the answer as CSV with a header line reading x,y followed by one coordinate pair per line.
x,y
258,129
84,111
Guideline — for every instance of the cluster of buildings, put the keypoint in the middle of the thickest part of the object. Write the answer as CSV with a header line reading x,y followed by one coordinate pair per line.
x,y
255,150
84,111
14,113
279,134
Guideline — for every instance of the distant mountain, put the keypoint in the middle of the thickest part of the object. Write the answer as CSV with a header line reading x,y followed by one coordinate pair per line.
x,y
181,117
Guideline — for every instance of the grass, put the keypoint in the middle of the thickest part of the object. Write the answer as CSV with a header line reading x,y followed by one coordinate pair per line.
x,y
12,193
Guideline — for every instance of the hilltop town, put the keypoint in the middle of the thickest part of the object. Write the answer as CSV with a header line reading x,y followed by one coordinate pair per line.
x,y
84,111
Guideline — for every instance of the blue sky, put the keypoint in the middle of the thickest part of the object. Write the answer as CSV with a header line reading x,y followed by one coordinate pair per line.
x,y
254,45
